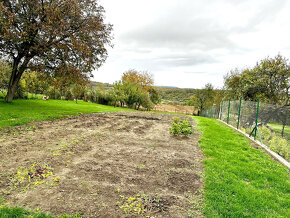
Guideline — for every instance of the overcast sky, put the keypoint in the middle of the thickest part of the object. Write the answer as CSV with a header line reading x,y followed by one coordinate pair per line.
x,y
188,43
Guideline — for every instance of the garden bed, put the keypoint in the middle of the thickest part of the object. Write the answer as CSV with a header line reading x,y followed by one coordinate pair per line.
x,y
108,165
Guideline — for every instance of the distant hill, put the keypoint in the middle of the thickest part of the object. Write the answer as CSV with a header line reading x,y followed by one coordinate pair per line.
x,y
175,95
100,85
172,87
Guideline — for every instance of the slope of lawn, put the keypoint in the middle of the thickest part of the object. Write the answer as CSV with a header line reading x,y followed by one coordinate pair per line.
x,y
23,111
240,181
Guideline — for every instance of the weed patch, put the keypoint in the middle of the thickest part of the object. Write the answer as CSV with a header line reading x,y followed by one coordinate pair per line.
x,y
32,176
142,205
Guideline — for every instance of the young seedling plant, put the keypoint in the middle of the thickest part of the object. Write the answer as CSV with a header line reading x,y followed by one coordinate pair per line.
x,y
180,127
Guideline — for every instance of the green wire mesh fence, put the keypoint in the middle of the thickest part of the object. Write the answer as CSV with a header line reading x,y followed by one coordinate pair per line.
x,y
211,113
268,123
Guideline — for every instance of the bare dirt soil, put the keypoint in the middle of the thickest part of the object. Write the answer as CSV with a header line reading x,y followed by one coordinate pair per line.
x,y
102,165
182,109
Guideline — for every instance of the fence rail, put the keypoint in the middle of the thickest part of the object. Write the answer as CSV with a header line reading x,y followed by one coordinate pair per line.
x,y
268,123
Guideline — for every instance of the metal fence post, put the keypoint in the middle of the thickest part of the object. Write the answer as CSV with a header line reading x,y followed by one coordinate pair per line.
x,y
257,116
239,113
228,119
221,110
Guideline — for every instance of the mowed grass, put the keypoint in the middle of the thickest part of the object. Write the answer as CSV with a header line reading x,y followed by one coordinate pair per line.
x,y
24,111
240,181
18,212
7,212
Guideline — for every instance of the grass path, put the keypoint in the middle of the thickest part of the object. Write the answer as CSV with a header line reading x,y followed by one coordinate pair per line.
x,y
240,181
24,111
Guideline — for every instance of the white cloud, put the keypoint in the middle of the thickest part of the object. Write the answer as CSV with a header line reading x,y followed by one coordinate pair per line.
x,y
188,43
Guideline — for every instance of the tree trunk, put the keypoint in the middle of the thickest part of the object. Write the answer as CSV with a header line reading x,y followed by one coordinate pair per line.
x,y
14,79
10,93
283,129
15,76
284,124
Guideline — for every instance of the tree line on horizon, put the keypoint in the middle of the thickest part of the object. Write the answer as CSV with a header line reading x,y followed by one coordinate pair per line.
x,y
135,89
267,80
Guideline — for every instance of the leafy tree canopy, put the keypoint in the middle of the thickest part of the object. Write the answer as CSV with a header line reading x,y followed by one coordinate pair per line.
x,y
52,36
143,79
136,89
268,80
203,98
5,70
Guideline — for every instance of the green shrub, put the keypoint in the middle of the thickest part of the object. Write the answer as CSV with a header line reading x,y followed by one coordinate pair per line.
x,y
68,95
104,98
145,101
243,129
90,95
53,93
275,143
279,145
20,92
266,133
2,94
180,127
34,96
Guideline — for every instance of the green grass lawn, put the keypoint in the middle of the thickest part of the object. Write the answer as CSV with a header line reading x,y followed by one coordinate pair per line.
x,y
24,111
18,212
240,181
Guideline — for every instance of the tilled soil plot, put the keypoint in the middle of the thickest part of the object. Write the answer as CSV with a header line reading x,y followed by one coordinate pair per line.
x,y
102,165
